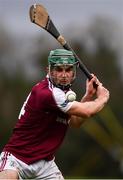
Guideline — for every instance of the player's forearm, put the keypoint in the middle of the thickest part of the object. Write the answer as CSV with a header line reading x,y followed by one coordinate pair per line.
x,y
85,110
86,98
96,105
88,109
93,107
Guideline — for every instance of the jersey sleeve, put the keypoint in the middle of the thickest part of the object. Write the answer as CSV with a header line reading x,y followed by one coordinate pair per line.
x,y
49,99
61,100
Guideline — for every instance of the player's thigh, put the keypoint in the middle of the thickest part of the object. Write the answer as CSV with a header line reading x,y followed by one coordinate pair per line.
x,y
47,170
9,174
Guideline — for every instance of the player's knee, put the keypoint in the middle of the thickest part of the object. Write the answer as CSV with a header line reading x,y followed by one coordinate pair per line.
x,y
9,174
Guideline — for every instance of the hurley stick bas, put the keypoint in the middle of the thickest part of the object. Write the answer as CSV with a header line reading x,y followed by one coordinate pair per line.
x,y
40,16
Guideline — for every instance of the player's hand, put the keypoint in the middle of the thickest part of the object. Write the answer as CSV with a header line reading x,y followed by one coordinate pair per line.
x,y
90,90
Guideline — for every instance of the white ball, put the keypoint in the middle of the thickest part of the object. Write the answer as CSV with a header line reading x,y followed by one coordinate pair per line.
x,y
70,96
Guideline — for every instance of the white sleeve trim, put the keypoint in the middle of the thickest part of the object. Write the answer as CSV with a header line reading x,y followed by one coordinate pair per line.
x,y
60,99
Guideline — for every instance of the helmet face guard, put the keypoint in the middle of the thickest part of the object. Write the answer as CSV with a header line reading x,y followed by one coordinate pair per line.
x,y
63,58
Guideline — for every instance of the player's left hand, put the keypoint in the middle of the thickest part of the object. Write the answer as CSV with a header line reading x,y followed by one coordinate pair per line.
x,y
90,90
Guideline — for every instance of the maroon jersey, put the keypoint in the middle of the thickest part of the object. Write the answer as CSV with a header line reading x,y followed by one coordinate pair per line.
x,y
41,125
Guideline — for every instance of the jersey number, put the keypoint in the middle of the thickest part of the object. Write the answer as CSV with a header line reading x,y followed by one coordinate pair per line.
x,y
23,107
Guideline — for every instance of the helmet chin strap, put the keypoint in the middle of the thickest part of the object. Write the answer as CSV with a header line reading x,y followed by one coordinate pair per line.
x,y
63,87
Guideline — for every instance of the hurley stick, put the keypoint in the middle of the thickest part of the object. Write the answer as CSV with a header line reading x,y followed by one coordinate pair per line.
x,y
40,16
